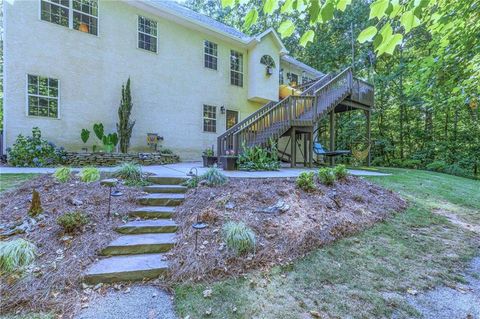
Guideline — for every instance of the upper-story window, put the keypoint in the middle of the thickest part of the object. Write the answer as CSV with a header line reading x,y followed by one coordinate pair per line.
x,y
80,15
267,61
42,96
147,34
236,68
280,76
211,55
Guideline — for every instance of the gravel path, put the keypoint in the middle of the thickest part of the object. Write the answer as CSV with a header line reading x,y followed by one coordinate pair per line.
x,y
448,303
142,302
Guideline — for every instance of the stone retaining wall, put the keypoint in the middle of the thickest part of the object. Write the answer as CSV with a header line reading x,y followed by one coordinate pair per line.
x,y
112,159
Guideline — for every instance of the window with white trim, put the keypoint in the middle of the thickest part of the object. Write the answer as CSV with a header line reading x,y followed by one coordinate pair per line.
x,y
236,68
280,76
42,96
147,34
210,54
81,15
209,118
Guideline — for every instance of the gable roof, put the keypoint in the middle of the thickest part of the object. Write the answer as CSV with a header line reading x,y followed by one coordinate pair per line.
x,y
202,20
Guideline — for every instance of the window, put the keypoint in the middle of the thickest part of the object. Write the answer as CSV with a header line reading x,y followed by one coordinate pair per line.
x,y
85,13
236,68
267,61
211,53
42,96
147,34
209,118
80,15
293,78
280,76
56,11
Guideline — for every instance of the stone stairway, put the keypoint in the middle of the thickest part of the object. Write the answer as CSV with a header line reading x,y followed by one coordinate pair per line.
x,y
138,253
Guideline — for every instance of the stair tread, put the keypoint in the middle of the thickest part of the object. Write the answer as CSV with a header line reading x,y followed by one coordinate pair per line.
x,y
164,195
128,263
143,239
155,209
149,223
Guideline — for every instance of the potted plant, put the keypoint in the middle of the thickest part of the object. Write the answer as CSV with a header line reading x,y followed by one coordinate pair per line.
x,y
229,161
208,157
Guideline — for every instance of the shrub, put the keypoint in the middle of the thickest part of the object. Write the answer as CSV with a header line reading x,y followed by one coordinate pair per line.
x,y
305,181
36,205
437,166
454,169
89,174
15,254
35,151
62,174
257,158
326,176
72,222
411,163
129,171
213,177
208,152
239,237
191,182
165,150
340,171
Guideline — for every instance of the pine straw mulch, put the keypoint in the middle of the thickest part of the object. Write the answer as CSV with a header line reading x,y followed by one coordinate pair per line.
x,y
313,219
55,282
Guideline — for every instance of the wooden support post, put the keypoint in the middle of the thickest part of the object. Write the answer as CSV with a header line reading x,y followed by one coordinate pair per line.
x,y
305,135
332,136
310,149
293,147
367,114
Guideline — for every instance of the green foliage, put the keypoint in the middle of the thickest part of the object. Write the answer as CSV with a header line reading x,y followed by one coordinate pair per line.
x,y
326,176
239,237
257,158
36,205
110,141
35,151
191,182
340,171
165,150
306,181
208,152
98,130
62,174
131,173
72,222
125,125
89,174
16,254
437,166
214,177
85,135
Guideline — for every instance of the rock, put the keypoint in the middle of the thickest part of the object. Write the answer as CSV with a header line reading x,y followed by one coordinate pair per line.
x,y
315,314
207,293
230,205
412,291
208,312
280,207
74,201
110,182
98,286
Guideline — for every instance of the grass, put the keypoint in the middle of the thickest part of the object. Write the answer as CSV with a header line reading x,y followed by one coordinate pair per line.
x,y
8,181
366,275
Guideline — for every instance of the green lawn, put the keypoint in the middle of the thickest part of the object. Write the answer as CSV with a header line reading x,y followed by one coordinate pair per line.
x,y
363,276
11,180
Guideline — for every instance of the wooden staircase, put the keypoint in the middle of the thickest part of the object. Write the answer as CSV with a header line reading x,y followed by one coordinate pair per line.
x,y
275,119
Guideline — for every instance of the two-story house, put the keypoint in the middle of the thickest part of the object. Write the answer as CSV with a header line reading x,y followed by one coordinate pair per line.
x,y
191,77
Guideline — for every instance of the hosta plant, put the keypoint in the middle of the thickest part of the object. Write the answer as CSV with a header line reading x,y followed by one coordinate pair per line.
x,y
306,181
326,176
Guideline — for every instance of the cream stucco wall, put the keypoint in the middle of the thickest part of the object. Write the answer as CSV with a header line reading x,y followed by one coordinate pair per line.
x,y
290,68
168,88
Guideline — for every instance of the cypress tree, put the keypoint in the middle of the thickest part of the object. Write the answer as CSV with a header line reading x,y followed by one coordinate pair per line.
x,y
125,125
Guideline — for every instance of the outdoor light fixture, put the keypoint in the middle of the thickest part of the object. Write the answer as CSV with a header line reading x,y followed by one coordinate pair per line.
x,y
199,225
269,70
193,172
222,109
111,183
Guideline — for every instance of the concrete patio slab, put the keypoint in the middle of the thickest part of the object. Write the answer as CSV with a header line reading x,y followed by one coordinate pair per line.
x,y
183,168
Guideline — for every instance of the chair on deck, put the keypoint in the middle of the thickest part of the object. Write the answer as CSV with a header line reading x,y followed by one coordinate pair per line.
x,y
319,150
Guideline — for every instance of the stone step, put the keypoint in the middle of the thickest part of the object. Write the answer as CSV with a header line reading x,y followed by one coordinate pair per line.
x,y
140,244
148,226
165,189
153,212
159,199
126,268
166,180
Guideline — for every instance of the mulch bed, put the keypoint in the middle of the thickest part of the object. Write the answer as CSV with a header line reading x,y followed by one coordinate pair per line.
x,y
55,282
312,220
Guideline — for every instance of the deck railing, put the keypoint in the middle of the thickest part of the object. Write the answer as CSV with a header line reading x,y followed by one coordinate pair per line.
x,y
274,119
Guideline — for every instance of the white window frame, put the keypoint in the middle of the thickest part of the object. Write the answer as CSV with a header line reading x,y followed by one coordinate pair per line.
x,y
209,118
27,95
235,71
210,55
70,16
156,37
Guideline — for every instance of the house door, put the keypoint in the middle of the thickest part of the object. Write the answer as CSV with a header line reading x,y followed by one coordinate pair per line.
x,y
232,118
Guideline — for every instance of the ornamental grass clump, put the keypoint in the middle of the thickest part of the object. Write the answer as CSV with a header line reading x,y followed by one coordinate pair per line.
x,y
72,222
16,254
62,174
213,177
131,173
340,171
89,174
305,181
326,176
239,237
